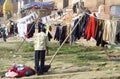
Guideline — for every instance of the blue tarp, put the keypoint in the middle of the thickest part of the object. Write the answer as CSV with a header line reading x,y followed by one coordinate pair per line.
x,y
48,5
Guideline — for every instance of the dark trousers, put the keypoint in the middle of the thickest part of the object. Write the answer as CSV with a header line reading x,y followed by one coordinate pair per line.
x,y
39,61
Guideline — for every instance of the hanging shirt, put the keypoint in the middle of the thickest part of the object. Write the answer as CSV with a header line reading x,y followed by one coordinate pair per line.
x,y
90,30
44,20
21,29
109,31
30,30
48,18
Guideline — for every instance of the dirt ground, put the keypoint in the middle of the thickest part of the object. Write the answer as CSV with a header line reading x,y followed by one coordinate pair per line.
x,y
65,70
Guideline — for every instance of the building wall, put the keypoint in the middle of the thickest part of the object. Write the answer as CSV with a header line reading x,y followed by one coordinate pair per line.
x,y
112,2
70,3
88,3
96,3
61,3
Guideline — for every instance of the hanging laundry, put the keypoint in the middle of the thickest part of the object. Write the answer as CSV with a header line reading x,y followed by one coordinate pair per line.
x,y
60,33
30,30
99,33
44,20
109,31
90,30
48,18
21,29
118,32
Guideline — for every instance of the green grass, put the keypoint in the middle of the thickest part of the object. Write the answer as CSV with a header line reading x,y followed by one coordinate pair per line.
x,y
75,54
80,55
27,47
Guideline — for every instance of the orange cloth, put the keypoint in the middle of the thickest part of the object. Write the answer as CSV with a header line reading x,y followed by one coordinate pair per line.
x,y
90,30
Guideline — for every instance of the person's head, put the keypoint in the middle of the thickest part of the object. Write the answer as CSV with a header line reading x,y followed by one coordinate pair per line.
x,y
42,29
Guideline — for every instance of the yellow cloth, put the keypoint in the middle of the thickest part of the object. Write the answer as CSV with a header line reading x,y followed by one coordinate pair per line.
x,y
47,29
7,7
109,31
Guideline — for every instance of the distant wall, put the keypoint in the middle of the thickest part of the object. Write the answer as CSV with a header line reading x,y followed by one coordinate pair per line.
x,y
111,2
59,3
93,4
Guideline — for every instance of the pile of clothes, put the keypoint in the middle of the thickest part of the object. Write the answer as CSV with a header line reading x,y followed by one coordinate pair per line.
x,y
17,71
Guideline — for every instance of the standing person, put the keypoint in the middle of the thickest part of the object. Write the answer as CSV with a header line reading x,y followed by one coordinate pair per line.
x,y
40,46
4,32
4,36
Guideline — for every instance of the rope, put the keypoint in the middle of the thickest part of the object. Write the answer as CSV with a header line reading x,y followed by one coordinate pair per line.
x,y
64,41
28,33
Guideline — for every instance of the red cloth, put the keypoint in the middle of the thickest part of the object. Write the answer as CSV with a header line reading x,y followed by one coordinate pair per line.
x,y
21,73
90,30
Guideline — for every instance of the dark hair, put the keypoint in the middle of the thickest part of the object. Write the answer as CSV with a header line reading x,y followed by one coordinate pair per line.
x,y
41,29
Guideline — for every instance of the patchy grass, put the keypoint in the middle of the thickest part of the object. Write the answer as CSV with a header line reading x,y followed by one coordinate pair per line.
x,y
78,54
75,54
28,47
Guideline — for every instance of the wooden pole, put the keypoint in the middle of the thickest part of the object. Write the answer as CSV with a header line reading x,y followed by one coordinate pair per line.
x,y
64,41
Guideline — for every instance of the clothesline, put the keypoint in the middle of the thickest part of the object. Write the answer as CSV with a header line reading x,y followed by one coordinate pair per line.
x,y
100,18
63,42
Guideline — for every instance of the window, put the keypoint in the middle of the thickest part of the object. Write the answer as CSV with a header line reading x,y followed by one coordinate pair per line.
x,y
115,11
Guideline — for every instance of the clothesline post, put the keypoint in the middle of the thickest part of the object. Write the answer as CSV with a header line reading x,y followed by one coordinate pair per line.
x,y
64,41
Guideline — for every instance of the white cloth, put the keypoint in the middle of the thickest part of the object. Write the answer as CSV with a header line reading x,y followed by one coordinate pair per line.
x,y
22,24
44,20
21,29
34,15
48,18
100,8
10,74
109,31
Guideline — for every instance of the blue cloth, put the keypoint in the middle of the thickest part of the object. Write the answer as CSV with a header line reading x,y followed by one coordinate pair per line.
x,y
39,4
